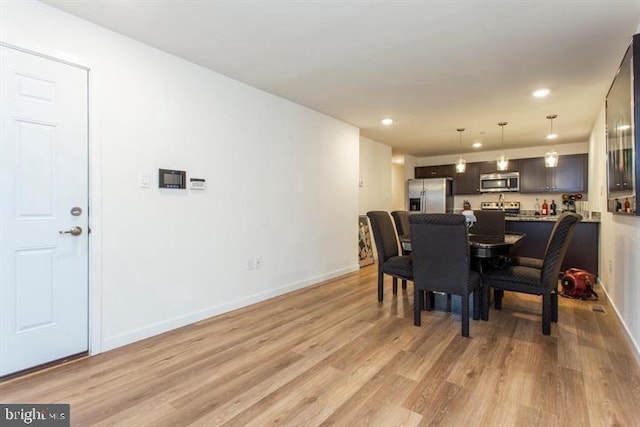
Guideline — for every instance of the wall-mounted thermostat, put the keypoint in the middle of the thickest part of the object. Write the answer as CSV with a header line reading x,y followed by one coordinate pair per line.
x,y
197,184
168,178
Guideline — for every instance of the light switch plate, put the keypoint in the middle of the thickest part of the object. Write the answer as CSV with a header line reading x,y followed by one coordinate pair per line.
x,y
144,180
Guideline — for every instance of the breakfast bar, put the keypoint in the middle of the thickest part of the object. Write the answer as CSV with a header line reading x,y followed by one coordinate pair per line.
x,y
582,251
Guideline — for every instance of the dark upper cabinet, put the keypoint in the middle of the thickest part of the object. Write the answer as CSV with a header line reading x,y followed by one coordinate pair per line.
x,y
620,171
441,171
492,167
533,176
570,176
468,182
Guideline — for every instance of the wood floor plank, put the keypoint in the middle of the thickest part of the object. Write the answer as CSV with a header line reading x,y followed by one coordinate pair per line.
x,y
385,390
572,389
332,355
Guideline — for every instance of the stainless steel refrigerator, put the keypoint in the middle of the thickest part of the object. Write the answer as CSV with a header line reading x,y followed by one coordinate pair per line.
x,y
432,195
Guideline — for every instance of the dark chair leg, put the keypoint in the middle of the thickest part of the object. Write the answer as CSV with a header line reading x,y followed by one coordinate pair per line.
x,y
448,303
430,301
497,296
418,297
477,305
485,302
380,285
404,284
465,315
554,306
546,313
395,286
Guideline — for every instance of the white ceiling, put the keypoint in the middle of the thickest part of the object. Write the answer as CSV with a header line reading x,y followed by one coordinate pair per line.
x,y
433,66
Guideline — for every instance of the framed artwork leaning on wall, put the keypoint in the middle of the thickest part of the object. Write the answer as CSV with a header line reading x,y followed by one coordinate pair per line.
x,y
365,250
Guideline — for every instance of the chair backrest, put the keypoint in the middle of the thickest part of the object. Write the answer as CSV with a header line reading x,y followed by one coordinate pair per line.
x,y
401,218
384,235
557,247
489,223
440,250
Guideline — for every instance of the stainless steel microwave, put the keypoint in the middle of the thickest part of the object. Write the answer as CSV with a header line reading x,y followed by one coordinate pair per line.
x,y
498,182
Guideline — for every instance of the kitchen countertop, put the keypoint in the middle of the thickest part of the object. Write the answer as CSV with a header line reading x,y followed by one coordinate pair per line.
x,y
544,218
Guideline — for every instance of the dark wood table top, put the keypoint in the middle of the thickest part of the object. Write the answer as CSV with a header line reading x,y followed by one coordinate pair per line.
x,y
482,246
480,240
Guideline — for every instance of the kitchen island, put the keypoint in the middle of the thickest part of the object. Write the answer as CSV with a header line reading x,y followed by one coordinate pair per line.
x,y
583,248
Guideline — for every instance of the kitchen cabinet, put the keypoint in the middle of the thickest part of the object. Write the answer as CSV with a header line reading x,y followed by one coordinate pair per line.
x,y
581,253
467,182
620,172
570,176
492,167
533,176
440,171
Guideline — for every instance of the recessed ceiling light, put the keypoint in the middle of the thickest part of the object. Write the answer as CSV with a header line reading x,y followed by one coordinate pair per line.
x,y
386,121
624,127
477,144
541,93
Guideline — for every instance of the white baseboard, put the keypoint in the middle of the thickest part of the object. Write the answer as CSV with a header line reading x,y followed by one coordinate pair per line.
x,y
157,328
632,342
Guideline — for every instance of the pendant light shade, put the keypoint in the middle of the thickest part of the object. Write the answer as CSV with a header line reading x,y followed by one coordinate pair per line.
x,y
551,157
502,163
461,164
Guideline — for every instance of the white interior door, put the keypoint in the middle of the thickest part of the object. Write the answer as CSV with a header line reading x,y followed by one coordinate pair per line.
x,y
43,177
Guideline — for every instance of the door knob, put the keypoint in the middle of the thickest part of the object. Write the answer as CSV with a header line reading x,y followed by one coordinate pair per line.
x,y
75,231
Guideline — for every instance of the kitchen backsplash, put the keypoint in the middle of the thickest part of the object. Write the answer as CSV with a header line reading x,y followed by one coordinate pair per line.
x,y
527,201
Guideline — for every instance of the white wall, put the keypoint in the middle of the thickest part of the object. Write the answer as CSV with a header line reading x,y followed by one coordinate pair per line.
x,y
375,176
619,242
282,182
410,163
398,188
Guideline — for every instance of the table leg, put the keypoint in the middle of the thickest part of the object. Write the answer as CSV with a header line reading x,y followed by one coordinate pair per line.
x,y
484,294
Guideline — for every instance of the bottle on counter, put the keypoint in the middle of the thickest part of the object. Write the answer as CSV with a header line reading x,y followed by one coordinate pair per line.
x,y
466,205
627,205
545,208
536,207
552,208
618,206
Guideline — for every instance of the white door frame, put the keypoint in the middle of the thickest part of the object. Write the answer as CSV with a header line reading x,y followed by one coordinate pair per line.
x,y
94,212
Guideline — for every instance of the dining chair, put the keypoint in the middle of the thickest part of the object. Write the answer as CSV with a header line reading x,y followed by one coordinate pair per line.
x,y
489,223
390,262
527,278
441,257
401,220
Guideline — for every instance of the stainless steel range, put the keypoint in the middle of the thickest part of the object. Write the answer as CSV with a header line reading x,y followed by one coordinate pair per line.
x,y
510,208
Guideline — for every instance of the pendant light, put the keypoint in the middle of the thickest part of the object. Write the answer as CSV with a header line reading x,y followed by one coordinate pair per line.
x,y
551,158
502,163
461,164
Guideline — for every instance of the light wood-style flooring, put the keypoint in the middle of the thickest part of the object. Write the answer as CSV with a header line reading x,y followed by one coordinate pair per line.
x,y
332,355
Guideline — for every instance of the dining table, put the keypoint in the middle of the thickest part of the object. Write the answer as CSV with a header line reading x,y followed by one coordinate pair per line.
x,y
483,248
